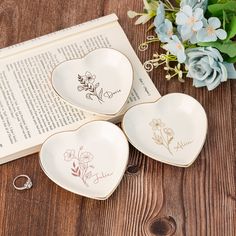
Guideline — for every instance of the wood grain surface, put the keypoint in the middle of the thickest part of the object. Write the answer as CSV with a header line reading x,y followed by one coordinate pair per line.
x,y
153,198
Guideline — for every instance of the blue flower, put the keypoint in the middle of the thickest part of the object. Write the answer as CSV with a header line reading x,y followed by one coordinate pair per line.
x,y
164,27
211,31
195,4
190,21
175,47
165,31
205,65
160,15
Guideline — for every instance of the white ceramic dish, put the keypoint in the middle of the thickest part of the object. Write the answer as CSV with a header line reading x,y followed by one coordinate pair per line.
x,y
99,83
90,161
171,130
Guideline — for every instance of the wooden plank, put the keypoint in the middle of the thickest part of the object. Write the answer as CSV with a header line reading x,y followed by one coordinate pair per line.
x,y
153,198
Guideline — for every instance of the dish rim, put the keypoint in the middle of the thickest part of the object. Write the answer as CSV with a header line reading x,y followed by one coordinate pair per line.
x,y
155,157
81,58
76,130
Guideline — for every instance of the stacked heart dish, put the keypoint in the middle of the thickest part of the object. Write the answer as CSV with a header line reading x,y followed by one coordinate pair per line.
x,y
91,160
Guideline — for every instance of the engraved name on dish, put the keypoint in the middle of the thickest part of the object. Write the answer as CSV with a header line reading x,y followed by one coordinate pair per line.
x,y
181,145
164,136
88,84
82,166
99,83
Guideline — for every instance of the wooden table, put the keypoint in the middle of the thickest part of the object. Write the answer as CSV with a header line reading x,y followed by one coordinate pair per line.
x,y
153,198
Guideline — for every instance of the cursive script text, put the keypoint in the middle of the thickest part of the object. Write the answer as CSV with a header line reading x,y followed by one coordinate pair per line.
x,y
82,166
109,94
101,176
181,145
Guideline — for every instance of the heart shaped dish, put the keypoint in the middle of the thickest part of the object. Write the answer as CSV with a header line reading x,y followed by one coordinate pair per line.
x,y
171,130
99,83
89,161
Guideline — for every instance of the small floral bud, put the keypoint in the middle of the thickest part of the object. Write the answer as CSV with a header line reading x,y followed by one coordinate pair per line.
x,y
180,74
168,77
131,14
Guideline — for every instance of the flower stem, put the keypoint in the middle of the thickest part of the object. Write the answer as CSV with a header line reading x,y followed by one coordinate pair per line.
x,y
166,144
170,4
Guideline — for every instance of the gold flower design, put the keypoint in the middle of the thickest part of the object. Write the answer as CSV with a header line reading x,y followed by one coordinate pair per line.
x,y
162,135
156,124
158,139
169,131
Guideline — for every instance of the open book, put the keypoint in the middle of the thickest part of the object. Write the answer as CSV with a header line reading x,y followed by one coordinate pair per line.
x,y
30,110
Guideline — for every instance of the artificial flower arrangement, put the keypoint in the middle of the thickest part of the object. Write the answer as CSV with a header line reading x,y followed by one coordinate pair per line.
x,y
198,36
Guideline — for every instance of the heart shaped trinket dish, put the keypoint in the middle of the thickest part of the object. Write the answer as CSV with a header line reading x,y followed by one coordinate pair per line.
x,y
89,161
171,130
99,83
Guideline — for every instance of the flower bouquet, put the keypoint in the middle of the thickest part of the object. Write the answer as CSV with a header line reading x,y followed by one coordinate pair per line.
x,y
198,37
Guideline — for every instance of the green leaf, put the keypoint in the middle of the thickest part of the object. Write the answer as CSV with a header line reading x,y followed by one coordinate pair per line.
x,y
171,16
231,29
231,59
216,1
224,19
217,9
227,47
210,2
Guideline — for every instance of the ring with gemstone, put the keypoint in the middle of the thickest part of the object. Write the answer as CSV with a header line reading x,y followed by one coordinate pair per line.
x,y
27,185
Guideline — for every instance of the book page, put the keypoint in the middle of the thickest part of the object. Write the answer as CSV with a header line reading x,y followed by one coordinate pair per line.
x,y
30,110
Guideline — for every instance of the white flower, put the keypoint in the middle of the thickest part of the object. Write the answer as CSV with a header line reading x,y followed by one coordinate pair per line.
x,y
195,4
211,31
190,21
175,47
164,28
